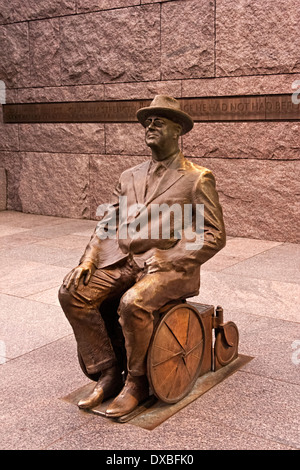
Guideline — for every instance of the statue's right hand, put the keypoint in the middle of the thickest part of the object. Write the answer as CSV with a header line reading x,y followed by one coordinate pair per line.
x,y
85,270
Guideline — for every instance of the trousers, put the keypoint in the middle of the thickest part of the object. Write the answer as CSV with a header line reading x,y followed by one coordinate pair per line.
x,y
138,295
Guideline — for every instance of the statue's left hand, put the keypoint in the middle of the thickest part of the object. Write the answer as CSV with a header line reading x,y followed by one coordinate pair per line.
x,y
85,270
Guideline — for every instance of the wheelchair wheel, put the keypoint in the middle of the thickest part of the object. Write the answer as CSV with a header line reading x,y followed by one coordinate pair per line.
x,y
226,344
175,353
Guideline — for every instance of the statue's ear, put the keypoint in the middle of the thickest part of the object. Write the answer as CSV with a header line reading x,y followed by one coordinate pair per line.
x,y
178,129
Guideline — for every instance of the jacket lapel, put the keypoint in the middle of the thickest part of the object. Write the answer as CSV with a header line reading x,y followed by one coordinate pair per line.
x,y
170,177
139,181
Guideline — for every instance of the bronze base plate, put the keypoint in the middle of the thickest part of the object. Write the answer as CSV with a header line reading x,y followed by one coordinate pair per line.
x,y
153,412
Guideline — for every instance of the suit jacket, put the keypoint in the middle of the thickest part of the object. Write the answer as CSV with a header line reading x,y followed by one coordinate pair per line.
x,y
182,183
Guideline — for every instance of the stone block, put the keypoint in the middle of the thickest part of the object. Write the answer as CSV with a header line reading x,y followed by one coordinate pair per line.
x,y
252,37
258,140
62,138
126,139
114,45
18,10
105,171
3,186
11,95
9,139
260,198
231,86
14,54
142,90
44,40
12,162
187,39
65,93
84,6
55,184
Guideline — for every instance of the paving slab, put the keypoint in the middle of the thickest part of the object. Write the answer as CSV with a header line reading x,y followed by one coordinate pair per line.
x,y
246,247
68,242
220,262
237,250
22,279
27,324
271,264
237,292
7,230
48,296
67,227
18,239
255,404
22,220
49,254
270,342
32,414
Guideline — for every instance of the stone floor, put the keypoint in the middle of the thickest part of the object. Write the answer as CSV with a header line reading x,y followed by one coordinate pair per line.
x,y
258,407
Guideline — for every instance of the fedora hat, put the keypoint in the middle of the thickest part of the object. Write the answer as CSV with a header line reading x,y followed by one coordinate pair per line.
x,y
168,107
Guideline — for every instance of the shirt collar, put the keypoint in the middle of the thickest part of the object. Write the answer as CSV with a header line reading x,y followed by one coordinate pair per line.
x,y
167,162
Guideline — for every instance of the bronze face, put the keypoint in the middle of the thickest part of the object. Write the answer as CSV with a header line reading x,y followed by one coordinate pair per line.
x,y
161,132
161,135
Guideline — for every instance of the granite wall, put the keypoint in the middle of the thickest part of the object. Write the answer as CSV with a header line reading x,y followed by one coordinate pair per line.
x,y
73,50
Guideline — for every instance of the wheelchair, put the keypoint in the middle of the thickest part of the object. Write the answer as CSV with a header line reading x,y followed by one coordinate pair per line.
x,y
188,341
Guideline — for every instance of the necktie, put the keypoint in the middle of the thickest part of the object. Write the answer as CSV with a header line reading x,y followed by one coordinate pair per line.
x,y
156,171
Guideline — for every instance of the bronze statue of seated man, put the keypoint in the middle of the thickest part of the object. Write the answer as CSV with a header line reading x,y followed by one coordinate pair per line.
x,y
143,269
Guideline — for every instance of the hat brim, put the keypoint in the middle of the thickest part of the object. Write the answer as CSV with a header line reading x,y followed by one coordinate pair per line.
x,y
178,116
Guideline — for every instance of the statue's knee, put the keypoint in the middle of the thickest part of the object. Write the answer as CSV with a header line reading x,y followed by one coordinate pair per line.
x,y
126,304
65,297
132,309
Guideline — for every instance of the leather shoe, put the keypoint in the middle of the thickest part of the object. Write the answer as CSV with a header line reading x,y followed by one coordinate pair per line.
x,y
135,390
108,385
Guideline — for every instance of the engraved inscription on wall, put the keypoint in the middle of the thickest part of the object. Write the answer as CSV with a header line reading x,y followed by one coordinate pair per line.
x,y
239,108
259,108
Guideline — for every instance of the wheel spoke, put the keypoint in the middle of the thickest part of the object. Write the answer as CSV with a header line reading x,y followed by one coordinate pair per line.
x,y
165,349
175,368
170,390
195,347
174,336
188,329
167,359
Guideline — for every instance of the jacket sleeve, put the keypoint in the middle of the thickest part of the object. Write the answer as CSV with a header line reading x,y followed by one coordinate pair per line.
x,y
212,238
105,229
